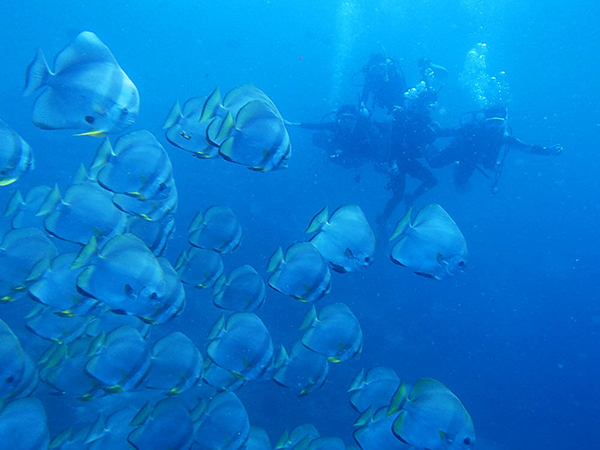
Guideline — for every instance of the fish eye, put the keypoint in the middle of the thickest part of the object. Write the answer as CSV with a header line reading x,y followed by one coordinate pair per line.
x,y
462,264
124,110
89,119
467,441
10,379
367,259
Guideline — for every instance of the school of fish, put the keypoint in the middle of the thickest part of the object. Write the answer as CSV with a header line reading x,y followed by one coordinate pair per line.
x,y
88,258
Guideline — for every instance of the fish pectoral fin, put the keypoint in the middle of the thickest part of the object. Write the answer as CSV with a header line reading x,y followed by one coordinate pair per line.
x,y
93,133
426,275
444,437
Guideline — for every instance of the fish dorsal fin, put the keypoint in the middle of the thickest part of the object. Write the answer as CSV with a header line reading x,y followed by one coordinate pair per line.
x,y
173,117
318,221
85,48
275,260
402,226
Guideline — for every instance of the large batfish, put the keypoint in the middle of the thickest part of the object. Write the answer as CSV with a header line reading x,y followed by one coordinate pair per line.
x,y
431,417
345,239
87,90
432,246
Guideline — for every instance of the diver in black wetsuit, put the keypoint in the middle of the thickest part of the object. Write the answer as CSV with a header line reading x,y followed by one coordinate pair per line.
x,y
412,132
481,143
385,84
350,138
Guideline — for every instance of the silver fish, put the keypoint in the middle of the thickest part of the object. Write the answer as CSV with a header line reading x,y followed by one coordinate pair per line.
x,y
345,239
432,246
87,91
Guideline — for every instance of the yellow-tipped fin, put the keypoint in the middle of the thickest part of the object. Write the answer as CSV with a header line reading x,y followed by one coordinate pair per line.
x,y
13,203
216,329
318,221
211,104
364,418
93,133
399,423
398,399
174,116
86,254
50,202
309,319
275,260
358,381
402,226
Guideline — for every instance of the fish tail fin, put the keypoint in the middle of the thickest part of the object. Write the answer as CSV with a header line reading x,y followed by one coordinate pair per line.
x,y
86,254
364,418
227,126
402,226
37,73
318,221
196,222
358,381
282,358
13,203
103,154
211,105
174,116
38,269
275,260
81,176
309,319
398,400
217,329
50,202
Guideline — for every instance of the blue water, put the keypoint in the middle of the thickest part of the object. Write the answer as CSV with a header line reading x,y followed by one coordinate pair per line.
x,y
517,336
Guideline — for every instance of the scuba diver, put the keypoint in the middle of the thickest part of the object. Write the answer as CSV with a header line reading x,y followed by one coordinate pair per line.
x,y
350,138
384,84
481,143
412,132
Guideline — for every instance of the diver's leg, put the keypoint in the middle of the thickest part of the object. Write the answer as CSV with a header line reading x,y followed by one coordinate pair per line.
x,y
428,180
397,185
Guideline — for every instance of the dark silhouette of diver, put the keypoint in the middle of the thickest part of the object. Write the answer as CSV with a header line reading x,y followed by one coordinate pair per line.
x,y
384,83
481,143
350,138
412,132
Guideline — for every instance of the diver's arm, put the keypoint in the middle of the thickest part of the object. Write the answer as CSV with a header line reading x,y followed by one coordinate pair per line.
x,y
515,143
330,126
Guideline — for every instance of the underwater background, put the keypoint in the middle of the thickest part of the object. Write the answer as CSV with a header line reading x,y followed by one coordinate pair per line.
x,y
516,337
